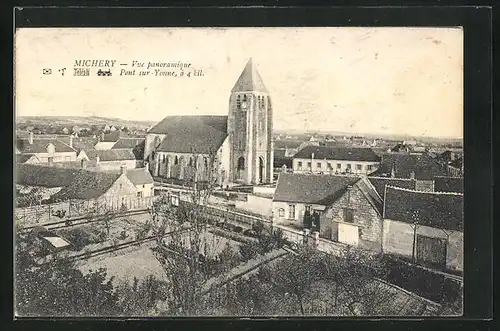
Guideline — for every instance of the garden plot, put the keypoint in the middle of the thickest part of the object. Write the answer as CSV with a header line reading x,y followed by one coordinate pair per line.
x,y
126,264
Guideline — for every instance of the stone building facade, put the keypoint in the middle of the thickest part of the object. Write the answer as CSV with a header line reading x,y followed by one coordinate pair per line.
x,y
354,219
238,145
250,128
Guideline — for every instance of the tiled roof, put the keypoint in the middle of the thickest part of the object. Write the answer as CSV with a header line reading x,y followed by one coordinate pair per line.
x,y
448,184
112,136
371,194
424,166
379,183
437,210
185,134
313,189
111,154
84,143
128,143
22,158
249,80
41,175
87,185
40,146
287,143
332,153
136,144
139,176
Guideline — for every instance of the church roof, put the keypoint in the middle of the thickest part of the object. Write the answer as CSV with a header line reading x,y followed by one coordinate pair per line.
x,y
191,134
249,80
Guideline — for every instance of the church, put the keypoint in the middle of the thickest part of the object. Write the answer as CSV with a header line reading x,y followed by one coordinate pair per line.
x,y
236,148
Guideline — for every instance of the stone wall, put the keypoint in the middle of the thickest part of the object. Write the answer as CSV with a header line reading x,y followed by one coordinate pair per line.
x,y
366,218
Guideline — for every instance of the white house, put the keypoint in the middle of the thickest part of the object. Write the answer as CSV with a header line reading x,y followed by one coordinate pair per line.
x,y
335,160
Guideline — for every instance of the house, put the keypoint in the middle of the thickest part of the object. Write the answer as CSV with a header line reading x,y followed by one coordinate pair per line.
x,y
297,193
65,130
291,147
238,145
424,227
332,160
136,145
456,167
402,148
27,158
142,180
450,155
110,160
113,128
355,217
111,188
421,167
46,150
45,180
108,140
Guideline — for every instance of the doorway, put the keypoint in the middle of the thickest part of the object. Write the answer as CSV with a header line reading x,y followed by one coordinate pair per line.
x,y
348,234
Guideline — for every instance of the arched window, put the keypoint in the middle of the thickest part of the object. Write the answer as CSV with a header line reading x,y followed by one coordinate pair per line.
x,y
190,161
176,160
241,163
244,97
163,158
281,212
206,162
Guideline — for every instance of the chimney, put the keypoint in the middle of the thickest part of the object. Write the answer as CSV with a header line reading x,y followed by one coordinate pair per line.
x,y
102,136
123,169
71,141
412,175
146,166
31,138
97,159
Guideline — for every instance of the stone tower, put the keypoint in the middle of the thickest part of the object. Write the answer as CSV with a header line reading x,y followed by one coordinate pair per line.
x,y
250,127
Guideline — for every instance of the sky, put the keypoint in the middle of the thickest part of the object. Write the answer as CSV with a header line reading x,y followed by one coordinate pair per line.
x,y
359,80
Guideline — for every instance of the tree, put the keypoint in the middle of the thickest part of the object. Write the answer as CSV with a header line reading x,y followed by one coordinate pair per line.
x,y
184,247
355,281
294,275
268,239
57,288
141,298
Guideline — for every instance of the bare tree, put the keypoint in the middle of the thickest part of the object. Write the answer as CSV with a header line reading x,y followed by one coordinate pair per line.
x,y
354,280
294,275
184,245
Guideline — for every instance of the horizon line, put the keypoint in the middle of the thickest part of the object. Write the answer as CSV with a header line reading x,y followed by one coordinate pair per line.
x,y
338,131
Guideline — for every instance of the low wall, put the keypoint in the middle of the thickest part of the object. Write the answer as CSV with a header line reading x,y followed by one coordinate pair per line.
x,y
257,205
264,190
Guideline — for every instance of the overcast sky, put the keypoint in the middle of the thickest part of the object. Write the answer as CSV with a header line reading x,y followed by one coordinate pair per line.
x,y
365,80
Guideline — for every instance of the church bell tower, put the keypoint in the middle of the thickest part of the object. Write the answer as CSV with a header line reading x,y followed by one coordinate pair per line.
x,y
250,127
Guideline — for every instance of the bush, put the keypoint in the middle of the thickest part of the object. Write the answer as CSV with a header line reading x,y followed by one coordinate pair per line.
x,y
77,237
